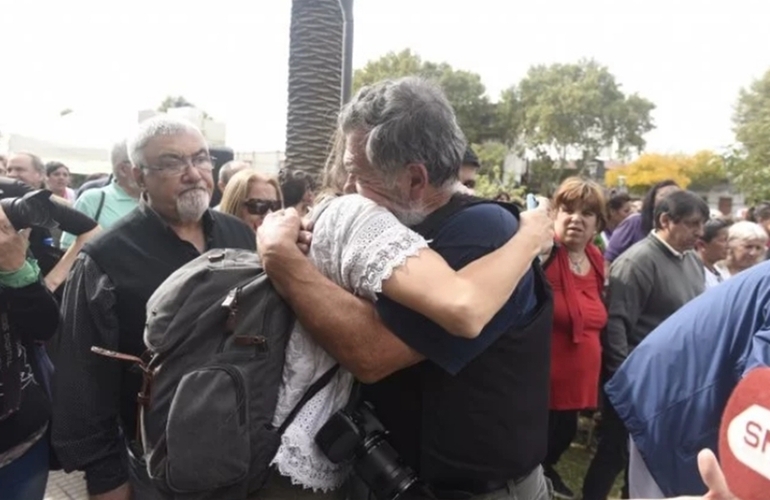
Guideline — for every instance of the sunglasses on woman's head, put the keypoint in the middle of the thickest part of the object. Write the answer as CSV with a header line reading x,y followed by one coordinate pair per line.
x,y
260,207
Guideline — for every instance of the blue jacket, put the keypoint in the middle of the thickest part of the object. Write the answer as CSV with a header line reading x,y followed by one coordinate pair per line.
x,y
673,388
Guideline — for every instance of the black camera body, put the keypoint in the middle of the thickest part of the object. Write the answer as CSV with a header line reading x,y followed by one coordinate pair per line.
x,y
26,207
357,436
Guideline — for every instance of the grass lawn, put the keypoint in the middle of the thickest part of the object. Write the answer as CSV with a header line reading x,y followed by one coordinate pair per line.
x,y
574,463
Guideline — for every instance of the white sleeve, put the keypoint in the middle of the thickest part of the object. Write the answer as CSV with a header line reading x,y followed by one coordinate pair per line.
x,y
358,244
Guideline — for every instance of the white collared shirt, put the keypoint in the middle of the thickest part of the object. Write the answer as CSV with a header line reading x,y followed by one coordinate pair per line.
x,y
677,254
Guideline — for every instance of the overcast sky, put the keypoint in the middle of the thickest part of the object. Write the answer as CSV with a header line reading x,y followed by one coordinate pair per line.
x,y
230,57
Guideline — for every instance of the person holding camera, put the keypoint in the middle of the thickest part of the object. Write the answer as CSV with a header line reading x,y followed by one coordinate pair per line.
x,y
39,211
465,418
28,316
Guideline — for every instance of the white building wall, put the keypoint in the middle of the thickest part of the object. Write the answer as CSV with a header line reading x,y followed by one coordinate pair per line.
x,y
268,162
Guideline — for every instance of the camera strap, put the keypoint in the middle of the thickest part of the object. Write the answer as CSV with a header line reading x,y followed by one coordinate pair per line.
x,y
319,384
355,396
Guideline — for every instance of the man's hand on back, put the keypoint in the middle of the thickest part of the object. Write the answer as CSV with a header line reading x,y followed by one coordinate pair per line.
x,y
537,224
281,232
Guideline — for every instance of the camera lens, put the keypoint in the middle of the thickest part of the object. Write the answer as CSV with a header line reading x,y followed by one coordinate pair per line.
x,y
32,210
381,468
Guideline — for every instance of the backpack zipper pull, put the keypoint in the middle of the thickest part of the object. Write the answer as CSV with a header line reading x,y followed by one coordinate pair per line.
x,y
231,304
231,299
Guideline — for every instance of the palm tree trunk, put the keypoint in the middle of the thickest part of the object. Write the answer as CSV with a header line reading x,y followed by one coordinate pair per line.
x,y
315,73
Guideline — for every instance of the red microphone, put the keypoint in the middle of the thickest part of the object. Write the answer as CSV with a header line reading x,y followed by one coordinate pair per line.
x,y
744,437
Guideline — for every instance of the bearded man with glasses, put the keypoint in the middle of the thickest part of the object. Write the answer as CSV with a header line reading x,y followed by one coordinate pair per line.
x,y
105,298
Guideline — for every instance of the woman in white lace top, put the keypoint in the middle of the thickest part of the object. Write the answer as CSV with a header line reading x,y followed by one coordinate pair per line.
x,y
362,247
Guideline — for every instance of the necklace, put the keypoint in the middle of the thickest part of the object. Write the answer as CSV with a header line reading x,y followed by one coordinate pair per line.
x,y
576,264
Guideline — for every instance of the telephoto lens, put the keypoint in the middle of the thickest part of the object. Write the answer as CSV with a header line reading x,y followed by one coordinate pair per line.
x,y
34,209
355,435
381,468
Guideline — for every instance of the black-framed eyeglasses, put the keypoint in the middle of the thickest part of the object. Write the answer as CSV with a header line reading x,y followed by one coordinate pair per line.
x,y
173,165
256,206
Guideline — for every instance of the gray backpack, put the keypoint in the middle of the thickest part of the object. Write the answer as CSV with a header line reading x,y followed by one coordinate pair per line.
x,y
216,331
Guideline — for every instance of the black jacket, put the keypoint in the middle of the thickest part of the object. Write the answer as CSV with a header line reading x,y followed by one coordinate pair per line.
x,y
33,317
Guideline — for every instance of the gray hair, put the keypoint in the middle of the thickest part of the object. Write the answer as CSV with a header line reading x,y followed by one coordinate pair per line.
x,y
37,163
119,154
408,120
231,168
156,126
744,231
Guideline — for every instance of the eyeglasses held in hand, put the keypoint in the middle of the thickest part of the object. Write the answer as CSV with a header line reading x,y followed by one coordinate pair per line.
x,y
256,206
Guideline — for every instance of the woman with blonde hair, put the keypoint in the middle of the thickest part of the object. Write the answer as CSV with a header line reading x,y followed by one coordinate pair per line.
x,y
250,195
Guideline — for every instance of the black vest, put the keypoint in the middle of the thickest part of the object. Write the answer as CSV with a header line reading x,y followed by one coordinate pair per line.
x,y
137,255
487,423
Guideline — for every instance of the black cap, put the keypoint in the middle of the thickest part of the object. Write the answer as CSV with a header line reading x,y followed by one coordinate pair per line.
x,y
470,158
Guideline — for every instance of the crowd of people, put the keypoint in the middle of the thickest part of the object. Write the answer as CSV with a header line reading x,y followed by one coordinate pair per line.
x,y
478,332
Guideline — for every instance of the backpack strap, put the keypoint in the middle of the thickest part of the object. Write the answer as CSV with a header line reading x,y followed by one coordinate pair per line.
x,y
459,201
311,391
99,209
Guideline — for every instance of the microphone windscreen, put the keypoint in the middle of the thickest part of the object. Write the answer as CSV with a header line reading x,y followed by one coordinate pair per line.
x,y
744,437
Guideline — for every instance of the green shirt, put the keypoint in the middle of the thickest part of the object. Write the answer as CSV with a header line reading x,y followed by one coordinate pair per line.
x,y
117,203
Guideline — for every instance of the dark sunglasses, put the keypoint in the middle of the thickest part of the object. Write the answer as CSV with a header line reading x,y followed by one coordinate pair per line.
x,y
260,207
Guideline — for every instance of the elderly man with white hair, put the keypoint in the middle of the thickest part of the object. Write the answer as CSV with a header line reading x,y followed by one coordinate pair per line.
x,y
108,204
105,298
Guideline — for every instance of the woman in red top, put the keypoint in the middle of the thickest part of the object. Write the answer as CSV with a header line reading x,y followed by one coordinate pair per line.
x,y
575,270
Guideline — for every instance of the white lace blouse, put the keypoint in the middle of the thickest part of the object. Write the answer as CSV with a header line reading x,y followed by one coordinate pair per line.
x,y
357,244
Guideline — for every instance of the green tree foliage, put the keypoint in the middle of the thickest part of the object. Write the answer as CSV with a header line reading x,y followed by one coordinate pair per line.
x,y
554,114
706,170
749,164
578,110
491,181
508,114
491,155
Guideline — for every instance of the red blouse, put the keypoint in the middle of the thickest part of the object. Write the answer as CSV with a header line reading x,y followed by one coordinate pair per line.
x,y
578,319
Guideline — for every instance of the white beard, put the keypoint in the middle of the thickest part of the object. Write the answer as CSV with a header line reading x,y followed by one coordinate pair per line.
x,y
192,204
411,215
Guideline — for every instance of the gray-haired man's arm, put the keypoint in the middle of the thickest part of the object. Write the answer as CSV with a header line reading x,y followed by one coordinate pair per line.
x,y
346,326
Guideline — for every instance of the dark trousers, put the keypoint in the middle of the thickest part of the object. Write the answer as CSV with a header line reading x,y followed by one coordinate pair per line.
x,y
532,487
562,428
611,457
25,478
